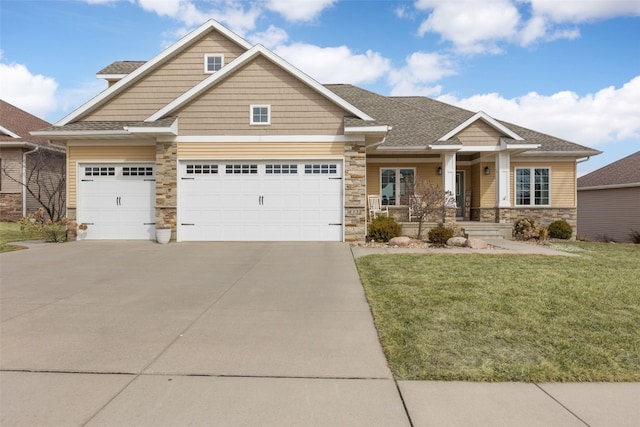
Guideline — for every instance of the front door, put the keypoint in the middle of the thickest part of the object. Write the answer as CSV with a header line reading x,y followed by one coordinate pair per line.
x,y
460,194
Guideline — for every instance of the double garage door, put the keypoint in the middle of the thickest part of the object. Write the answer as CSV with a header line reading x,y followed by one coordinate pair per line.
x,y
261,200
217,200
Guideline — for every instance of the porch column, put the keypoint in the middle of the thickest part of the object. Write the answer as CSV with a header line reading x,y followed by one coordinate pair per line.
x,y
449,167
503,165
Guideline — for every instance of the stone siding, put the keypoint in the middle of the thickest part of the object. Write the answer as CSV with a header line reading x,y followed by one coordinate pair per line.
x,y
355,199
10,207
167,185
542,216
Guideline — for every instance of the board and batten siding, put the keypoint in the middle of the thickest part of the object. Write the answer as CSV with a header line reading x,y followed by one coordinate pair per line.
x,y
102,154
167,82
563,181
609,214
296,109
259,150
479,134
12,164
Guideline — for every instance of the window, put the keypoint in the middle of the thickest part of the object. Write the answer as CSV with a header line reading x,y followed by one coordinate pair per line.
x,y
281,169
137,171
99,171
396,185
201,169
532,192
320,169
213,63
260,114
241,169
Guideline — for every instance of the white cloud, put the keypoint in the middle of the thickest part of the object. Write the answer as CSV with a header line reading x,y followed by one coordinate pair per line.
x,y
480,27
584,10
271,37
299,10
421,69
609,115
472,26
335,64
33,93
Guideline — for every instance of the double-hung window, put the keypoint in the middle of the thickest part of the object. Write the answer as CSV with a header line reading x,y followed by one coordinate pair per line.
x,y
532,187
396,185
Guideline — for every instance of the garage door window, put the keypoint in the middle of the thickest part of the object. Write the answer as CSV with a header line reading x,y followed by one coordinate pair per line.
x,y
137,171
99,171
201,169
241,169
281,169
320,169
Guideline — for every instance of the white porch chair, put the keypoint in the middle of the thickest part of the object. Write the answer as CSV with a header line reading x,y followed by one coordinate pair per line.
x,y
415,203
375,207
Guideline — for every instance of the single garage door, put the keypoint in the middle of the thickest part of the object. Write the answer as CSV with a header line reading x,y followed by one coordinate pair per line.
x,y
116,200
262,200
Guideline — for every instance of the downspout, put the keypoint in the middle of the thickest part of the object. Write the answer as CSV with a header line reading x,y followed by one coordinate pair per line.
x,y
24,179
583,160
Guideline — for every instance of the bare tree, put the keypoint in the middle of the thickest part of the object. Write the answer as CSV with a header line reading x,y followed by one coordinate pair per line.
x,y
44,180
427,203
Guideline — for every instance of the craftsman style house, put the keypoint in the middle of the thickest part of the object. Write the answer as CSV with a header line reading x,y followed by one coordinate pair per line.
x,y
222,140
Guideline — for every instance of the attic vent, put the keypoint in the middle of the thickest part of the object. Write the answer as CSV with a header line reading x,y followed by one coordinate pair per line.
x,y
213,63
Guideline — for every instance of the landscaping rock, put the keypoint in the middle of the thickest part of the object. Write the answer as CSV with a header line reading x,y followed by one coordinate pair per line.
x,y
400,241
457,241
477,244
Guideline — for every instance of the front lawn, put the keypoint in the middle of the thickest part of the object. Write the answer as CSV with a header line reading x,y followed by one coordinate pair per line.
x,y
509,318
10,232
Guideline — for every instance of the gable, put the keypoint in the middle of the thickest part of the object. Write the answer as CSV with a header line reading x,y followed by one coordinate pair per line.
x,y
167,81
296,108
480,133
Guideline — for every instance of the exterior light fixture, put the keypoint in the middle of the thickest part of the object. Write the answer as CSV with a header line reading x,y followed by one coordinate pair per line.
x,y
439,170
486,170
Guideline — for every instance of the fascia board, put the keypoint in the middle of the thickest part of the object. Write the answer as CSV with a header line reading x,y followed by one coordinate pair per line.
x,y
76,133
211,24
239,62
111,76
575,154
436,147
609,186
10,144
8,132
481,115
367,129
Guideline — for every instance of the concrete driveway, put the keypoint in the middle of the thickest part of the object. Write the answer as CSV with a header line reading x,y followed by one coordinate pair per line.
x,y
136,333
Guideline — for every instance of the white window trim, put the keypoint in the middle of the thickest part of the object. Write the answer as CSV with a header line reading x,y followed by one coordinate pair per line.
x,y
531,187
212,55
267,106
397,169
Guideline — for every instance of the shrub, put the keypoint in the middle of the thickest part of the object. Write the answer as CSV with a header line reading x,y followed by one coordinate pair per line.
x,y
37,226
560,229
635,236
383,229
439,235
525,229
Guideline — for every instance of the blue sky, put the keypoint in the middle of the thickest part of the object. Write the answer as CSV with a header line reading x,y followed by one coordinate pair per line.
x,y
565,67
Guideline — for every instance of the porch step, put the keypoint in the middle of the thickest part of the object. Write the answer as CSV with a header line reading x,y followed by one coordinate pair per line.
x,y
487,231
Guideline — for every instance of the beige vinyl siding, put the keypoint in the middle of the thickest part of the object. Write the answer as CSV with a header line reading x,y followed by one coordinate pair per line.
x,y
608,214
103,154
487,185
168,81
258,150
479,134
296,109
12,164
563,182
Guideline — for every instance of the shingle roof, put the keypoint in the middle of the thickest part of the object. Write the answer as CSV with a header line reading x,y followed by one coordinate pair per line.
x,y
121,67
109,125
418,121
623,171
21,123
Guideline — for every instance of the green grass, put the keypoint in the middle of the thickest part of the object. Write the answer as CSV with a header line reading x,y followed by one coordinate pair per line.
x,y
509,318
10,232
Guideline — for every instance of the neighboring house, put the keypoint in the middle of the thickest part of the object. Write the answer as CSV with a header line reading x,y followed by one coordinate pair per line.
x,y
223,140
609,201
27,159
